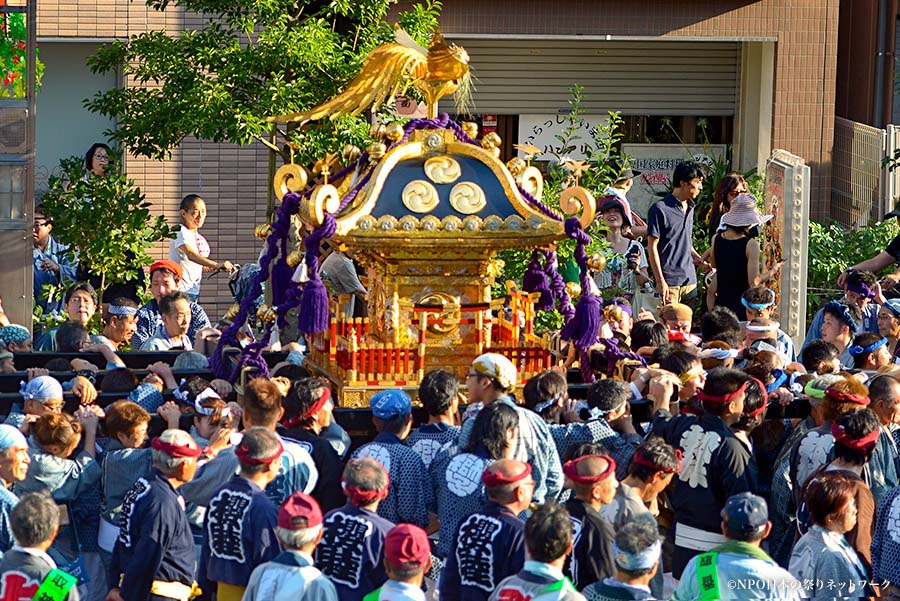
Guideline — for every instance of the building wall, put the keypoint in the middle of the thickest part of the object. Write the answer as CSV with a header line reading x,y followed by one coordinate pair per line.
x,y
805,58
232,180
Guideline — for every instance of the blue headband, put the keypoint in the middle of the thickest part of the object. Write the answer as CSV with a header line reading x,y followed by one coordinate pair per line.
x,y
11,437
892,305
121,310
844,312
780,378
759,306
633,562
862,350
14,333
42,388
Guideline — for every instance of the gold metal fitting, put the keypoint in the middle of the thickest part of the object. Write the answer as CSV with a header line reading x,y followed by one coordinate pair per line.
x,y
266,313
491,140
573,289
516,166
470,128
377,151
294,258
596,262
376,132
350,153
394,131
263,231
289,178
232,312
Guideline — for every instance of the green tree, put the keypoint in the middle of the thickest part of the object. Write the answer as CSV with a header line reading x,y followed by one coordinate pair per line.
x,y
104,219
253,59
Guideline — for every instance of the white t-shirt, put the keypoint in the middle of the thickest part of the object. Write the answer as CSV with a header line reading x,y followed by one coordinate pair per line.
x,y
192,272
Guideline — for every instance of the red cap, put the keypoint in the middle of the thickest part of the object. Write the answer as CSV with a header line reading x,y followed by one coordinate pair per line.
x,y
406,544
298,512
167,264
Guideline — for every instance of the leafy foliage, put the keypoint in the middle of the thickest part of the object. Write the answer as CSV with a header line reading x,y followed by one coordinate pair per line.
x,y
13,65
253,59
825,262
602,153
104,219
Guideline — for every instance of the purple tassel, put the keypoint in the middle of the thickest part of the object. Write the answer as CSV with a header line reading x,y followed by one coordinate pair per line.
x,y
584,327
314,314
535,280
281,274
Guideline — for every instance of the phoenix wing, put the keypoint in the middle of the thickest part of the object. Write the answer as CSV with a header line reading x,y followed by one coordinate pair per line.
x,y
381,77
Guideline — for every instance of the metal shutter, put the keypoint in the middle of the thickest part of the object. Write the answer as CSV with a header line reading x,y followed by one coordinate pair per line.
x,y
635,77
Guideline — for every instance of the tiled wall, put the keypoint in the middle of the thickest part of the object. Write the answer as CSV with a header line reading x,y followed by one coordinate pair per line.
x,y
234,181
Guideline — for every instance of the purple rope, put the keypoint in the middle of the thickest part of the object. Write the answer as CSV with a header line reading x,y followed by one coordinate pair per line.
x,y
535,280
558,285
613,354
584,326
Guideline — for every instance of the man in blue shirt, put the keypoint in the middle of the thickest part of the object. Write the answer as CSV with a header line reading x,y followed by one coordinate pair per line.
x,y
51,263
670,226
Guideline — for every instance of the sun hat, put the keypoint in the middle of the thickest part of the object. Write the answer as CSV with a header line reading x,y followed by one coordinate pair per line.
x,y
744,213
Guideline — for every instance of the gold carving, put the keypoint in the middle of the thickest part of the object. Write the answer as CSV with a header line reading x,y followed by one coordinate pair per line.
x,y
420,196
467,198
532,181
289,178
574,198
573,289
442,170
446,322
324,199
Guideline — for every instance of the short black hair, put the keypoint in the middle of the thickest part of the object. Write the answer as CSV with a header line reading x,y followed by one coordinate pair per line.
x,y
722,381
685,172
188,202
635,537
120,379
677,361
437,390
193,386
880,387
721,323
303,394
857,423
816,353
548,533
546,386
654,450
833,309
167,303
647,332
70,335
83,286
754,397
89,155
855,278
490,428
608,395
863,340
759,295
580,449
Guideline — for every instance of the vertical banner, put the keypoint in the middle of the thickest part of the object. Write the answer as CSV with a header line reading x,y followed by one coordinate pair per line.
x,y
488,124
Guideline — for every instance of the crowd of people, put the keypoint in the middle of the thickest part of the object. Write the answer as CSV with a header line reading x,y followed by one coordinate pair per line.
x,y
710,459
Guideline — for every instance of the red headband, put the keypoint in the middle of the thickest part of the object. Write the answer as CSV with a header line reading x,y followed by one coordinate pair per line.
x,y
765,402
315,407
359,496
570,469
855,444
175,450
641,460
243,455
725,398
846,397
495,479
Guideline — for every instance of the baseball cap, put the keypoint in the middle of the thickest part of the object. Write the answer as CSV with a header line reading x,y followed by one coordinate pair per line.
x,y
406,544
169,265
388,404
497,367
745,512
298,512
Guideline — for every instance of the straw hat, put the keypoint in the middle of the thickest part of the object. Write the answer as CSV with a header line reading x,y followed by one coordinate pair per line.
x,y
744,213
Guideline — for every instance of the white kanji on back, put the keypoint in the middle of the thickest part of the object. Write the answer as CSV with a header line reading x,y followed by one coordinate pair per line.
x,y
893,521
698,448
812,454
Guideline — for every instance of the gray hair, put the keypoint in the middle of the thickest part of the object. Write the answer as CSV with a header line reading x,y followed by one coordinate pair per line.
x,y
165,462
365,474
34,520
261,443
298,539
